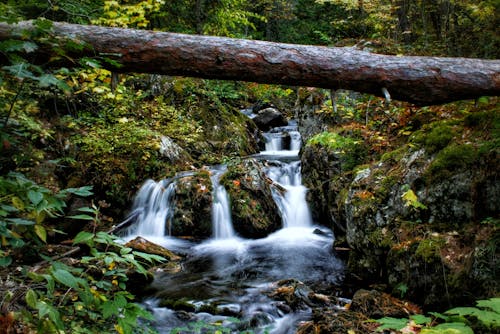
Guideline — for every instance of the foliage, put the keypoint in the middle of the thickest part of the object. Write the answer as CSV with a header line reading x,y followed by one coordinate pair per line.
x,y
410,198
351,149
24,209
92,297
128,14
216,328
456,320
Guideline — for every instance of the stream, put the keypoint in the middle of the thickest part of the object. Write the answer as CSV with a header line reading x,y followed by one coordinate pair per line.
x,y
228,280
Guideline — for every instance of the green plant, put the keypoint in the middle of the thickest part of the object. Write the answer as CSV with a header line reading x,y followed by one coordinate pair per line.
x,y
410,198
456,320
214,328
92,296
487,312
24,208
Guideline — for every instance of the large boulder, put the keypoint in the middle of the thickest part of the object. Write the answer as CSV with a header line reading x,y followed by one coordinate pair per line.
x,y
269,118
409,223
193,204
254,212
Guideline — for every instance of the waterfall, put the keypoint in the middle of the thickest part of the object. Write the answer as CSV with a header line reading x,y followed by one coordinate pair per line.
x,y
292,202
236,276
222,224
153,209
290,194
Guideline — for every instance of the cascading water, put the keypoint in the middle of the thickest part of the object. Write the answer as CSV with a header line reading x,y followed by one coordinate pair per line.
x,y
153,209
222,224
292,203
233,277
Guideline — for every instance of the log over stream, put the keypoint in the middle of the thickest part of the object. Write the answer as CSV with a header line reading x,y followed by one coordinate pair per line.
x,y
420,80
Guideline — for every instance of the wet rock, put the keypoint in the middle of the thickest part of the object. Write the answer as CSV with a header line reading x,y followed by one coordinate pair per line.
x,y
254,212
173,152
146,246
297,295
269,118
193,202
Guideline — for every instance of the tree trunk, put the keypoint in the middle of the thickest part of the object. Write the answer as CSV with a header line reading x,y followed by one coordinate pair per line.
x,y
421,80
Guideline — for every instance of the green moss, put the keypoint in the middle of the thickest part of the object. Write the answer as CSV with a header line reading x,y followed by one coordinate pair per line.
x,y
381,237
451,159
430,247
395,155
351,149
178,305
435,136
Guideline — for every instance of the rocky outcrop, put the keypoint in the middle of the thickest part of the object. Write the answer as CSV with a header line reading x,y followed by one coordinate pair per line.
x,y
254,211
423,219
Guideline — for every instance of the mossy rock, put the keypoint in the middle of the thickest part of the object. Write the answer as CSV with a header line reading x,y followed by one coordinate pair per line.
x,y
254,212
193,203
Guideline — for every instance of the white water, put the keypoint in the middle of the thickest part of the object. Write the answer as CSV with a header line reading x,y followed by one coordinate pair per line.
x,y
292,203
237,274
222,224
153,209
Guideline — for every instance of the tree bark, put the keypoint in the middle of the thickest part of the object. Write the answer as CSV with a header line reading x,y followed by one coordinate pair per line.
x,y
420,80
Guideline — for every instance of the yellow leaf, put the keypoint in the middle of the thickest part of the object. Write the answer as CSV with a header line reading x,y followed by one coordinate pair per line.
x,y
41,232
18,203
119,329
40,217
409,197
351,331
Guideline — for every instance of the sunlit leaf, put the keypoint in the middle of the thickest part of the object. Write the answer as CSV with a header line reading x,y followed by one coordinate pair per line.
x,y
391,323
83,217
66,278
41,232
31,298
83,237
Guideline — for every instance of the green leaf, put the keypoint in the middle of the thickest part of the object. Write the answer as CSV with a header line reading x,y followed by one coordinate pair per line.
x,y
82,191
15,45
20,71
448,328
391,323
20,221
46,80
488,318
35,197
420,319
41,232
93,63
66,278
43,309
87,209
31,298
83,238
492,303
5,261
83,217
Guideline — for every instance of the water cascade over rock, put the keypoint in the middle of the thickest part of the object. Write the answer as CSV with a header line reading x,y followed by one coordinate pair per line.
x,y
228,277
222,224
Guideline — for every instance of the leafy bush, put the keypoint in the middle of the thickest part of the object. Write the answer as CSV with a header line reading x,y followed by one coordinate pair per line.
x,y
91,297
456,320
24,209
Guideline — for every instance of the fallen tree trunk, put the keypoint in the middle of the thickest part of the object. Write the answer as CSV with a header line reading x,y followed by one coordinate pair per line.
x,y
421,80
